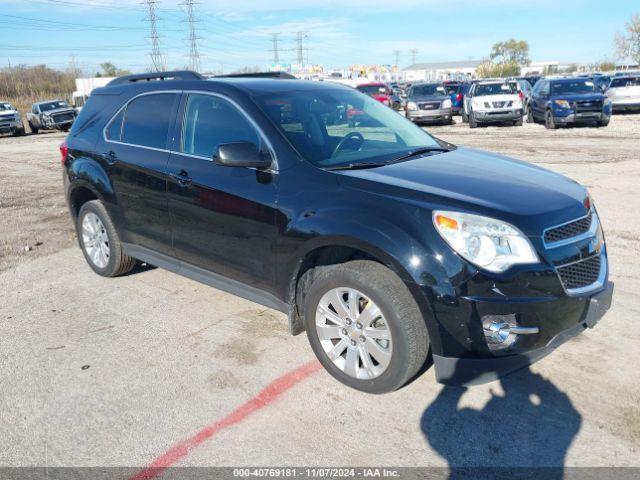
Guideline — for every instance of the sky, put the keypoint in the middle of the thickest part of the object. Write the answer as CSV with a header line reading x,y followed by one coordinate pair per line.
x,y
236,33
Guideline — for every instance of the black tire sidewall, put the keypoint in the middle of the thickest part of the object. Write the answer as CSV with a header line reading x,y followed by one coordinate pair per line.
x,y
93,207
393,377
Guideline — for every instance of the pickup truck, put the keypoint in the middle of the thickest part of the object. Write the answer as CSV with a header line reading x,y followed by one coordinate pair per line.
x,y
10,121
51,115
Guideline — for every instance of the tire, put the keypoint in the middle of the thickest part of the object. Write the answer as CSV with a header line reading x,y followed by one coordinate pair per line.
x,y
117,262
465,117
472,120
399,316
530,118
549,122
518,123
19,132
33,129
603,123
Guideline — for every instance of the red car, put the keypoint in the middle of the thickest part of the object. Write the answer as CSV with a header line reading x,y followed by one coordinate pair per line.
x,y
379,91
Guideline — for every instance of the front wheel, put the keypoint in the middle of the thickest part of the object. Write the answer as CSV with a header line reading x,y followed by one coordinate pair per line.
x,y
465,117
365,327
33,129
530,118
100,242
18,132
473,123
603,123
549,121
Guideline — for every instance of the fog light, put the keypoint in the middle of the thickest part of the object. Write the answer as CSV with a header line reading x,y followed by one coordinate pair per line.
x,y
501,331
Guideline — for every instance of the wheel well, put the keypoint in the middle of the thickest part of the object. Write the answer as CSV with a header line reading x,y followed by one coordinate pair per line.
x,y
79,197
311,263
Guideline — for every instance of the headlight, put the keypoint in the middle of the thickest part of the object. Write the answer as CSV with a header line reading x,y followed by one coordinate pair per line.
x,y
17,116
412,106
483,241
446,103
562,103
607,101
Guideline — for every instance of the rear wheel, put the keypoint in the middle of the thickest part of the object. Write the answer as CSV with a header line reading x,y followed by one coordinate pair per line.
x,y
100,242
365,327
549,121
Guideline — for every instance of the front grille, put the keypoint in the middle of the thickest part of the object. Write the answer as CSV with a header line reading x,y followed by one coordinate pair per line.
x,y
569,230
63,117
581,274
584,106
429,106
7,118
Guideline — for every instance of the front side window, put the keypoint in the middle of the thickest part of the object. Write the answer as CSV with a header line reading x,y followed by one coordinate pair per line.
x,y
338,127
147,119
210,121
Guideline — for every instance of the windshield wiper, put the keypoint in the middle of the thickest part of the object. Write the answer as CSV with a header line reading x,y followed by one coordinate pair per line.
x,y
357,166
418,151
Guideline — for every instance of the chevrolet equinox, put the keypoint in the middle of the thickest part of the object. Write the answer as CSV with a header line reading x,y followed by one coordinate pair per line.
x,y
392,249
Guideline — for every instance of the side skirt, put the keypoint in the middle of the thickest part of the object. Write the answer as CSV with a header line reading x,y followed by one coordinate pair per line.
x,y
205,276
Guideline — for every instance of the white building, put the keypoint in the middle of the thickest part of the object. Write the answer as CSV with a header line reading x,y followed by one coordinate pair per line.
x,y
438,71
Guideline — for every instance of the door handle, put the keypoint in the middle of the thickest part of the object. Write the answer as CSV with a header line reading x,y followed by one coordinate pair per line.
x,y
182,178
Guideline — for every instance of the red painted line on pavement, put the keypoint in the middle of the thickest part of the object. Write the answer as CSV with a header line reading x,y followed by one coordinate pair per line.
x,y
267,396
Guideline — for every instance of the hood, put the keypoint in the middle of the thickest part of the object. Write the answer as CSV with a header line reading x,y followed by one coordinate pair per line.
x,y
529,197
429,98
574,97
59,110
381,97
6,113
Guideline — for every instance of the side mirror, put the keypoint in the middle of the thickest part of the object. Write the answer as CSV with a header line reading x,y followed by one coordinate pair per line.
x,y
241,154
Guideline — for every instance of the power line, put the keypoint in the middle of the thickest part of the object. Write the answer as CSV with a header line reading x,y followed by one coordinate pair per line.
x,y
276,54
194,55
157,61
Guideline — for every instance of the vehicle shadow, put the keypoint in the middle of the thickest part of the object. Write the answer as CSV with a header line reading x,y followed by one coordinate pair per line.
x,y
523,433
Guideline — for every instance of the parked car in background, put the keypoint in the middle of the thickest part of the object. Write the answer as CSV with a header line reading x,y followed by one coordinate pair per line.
x,y
385,244
624,93
428,103
379,91
493,102
51,115
568,101
10,120
457,98
532,79
524,92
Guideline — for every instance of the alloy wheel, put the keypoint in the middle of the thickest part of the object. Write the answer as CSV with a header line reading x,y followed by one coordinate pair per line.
x,y
95,240
353,333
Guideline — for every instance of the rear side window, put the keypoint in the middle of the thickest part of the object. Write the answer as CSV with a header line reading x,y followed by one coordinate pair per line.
x,y
625,82
210,121
147,119
115,127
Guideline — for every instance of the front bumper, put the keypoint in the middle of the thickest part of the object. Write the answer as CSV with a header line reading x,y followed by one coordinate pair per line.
x,y
626,105
497,116
11,126
473,371
587,117
439,115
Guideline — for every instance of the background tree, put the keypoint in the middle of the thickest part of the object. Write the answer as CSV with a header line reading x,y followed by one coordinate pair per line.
x,y
510,52
627,44
110,70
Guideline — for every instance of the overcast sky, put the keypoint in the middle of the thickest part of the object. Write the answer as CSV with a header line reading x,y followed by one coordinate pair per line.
x,y
235,33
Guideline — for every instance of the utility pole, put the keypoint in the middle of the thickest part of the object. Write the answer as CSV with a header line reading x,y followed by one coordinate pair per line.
x,y
157,62
414,53
194,55
274,49
396,56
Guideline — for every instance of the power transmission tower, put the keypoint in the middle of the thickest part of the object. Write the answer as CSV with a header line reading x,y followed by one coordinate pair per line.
x,y
414,53
396,56
300,36
194,56
157,62
276,52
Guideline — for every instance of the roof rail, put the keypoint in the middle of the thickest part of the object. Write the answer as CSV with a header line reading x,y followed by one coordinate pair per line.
x,y
156,76
258,75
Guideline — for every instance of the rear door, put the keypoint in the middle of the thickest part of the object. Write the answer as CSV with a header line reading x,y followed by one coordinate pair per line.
x,y
136,147
222,218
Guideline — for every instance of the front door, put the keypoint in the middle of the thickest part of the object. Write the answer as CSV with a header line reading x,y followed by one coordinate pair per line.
x,y
222,218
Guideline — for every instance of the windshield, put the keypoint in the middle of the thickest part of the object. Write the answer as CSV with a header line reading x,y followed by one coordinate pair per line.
x,y
45,107
5,107
426,90
483,89
342,127
372,89
625,82
574,86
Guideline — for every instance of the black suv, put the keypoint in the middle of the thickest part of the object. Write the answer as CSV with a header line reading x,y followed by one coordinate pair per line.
x,y
380,241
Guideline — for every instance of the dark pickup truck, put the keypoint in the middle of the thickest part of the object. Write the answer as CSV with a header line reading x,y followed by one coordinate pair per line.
x,y
380,241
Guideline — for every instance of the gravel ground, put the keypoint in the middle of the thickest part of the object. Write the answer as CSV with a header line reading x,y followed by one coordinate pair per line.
x,y
101,372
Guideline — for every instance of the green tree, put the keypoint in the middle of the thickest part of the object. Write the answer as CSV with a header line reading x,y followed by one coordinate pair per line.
x,y
627,44
110,70
510,52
